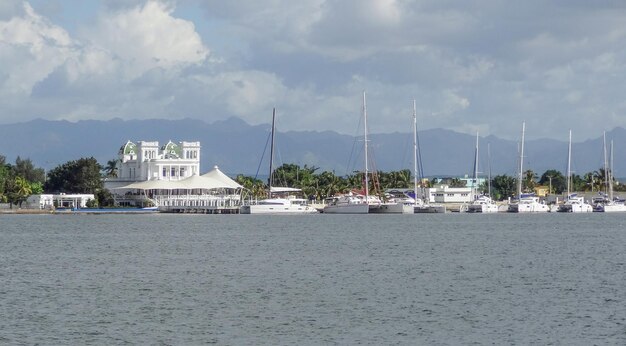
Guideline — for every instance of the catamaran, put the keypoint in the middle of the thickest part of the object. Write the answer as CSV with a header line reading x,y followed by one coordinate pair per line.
x,y
480,203
356,203
526,203
573,203
609,203
420,206
281,200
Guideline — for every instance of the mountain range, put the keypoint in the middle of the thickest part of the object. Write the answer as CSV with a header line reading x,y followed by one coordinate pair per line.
x,y
237,147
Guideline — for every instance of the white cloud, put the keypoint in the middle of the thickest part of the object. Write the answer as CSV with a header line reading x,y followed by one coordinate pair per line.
x,y
146,37
484,65
32,48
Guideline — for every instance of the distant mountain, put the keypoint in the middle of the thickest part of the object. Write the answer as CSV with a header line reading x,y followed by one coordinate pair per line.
x,y
237,147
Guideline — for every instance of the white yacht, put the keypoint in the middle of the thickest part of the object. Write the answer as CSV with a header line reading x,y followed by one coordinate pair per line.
x,y
288,203
350,204
480,203
609,203
359,203
288,200
573,203
525,203
419,206
528,203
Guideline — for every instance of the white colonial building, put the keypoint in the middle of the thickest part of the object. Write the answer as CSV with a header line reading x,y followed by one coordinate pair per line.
x,y
147,161
168,177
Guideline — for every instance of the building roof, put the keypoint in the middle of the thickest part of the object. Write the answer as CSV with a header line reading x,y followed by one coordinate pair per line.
x,y
216,174
214,179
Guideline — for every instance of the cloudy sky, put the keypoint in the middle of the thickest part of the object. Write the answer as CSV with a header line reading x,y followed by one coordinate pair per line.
x,y
471,65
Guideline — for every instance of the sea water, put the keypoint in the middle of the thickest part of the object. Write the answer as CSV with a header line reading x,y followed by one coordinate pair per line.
x,y
317,279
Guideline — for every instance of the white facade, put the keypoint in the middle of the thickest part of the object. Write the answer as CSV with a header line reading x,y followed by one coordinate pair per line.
x,y
446,194
62,200
145,160
39,201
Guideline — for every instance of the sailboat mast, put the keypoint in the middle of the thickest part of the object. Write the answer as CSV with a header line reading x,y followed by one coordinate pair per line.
x,y
365,147
611,174
521,162
474,191
489,163
606,165
415,151
271,177
569,165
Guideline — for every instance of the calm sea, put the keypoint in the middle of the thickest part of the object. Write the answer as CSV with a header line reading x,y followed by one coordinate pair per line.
x,y
310,280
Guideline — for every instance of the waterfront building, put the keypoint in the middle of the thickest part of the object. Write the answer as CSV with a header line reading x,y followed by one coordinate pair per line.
x,y
61,200
447,194
145,160
168,178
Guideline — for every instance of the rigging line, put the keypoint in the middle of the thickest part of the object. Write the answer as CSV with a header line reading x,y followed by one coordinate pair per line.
x,y
262,156
353,156
420,166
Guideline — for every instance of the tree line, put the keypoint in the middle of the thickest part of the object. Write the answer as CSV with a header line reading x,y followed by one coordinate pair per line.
x,y
325,184
21,179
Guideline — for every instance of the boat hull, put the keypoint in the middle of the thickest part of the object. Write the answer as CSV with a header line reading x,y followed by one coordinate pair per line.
x,y
611,208
575,208
429,209
482,208
528,208
347,209
391,208
276,209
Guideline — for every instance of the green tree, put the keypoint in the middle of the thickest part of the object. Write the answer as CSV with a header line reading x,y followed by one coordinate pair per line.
x,y
105,198
559,182
110,170
529,181
18,191
79,176
329,185
504,186
36,188
4,176
26,170
255,187
589,181
578,183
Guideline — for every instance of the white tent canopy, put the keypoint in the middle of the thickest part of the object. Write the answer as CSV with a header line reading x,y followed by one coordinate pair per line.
x,y
222,178
214,179
151,185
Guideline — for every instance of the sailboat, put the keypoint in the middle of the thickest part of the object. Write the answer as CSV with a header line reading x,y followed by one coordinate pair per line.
x,y
609,204
356,203
420,206
526,203
480,203
573,203
288,201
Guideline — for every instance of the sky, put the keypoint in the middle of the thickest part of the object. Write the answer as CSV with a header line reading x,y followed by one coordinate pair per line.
x,y
471,66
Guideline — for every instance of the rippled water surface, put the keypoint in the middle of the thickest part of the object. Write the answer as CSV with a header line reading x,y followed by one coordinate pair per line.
x,y
315,279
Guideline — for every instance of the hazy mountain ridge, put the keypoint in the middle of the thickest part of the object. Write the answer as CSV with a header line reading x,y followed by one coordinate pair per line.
x,y
237,147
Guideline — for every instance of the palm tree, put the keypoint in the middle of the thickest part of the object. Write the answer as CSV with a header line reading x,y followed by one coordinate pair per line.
x,y
590,182
111,169
529,181
21,190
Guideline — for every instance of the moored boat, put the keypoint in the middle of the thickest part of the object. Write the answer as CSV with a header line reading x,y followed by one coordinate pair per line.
x,y
288,200
525,203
